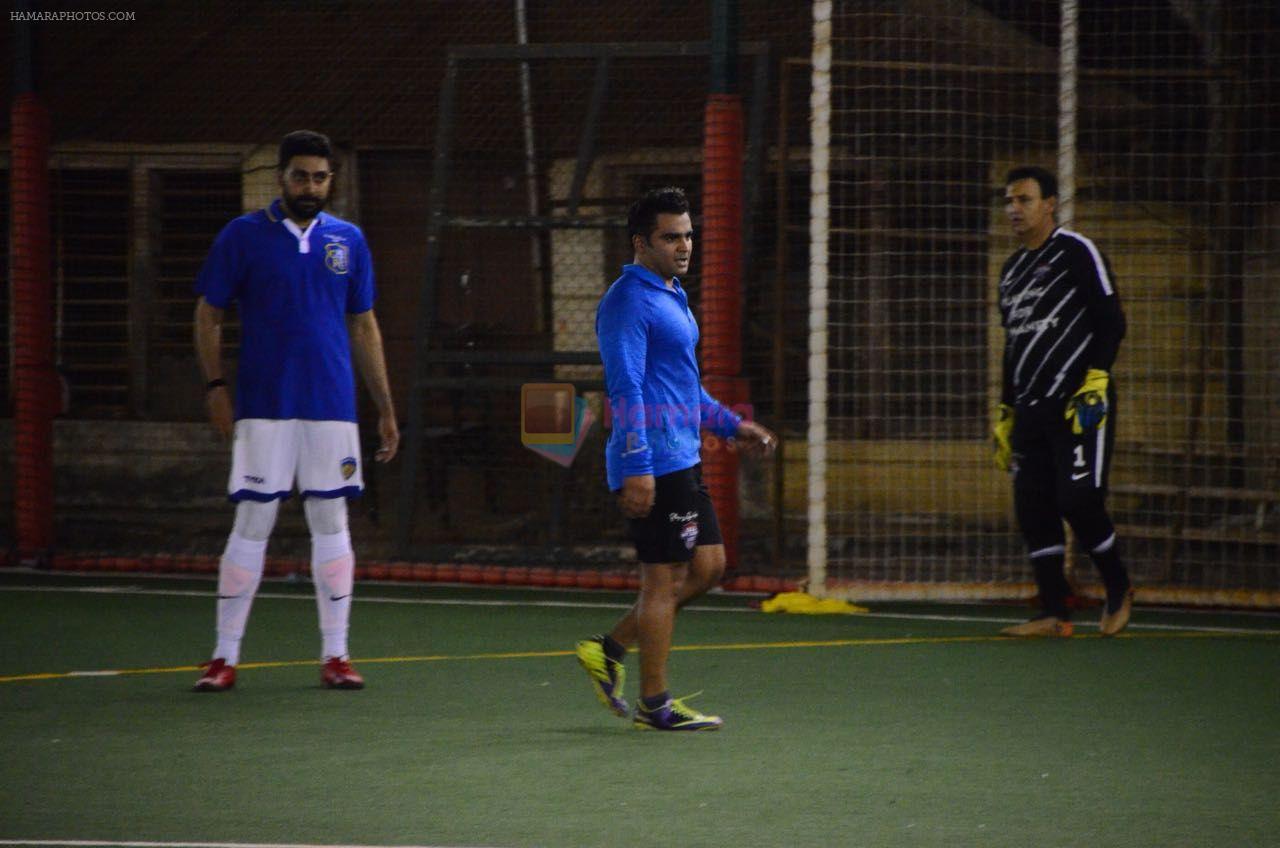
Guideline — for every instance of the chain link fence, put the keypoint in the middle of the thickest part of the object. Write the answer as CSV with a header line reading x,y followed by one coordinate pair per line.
x,y
557,117
1156,117
560,113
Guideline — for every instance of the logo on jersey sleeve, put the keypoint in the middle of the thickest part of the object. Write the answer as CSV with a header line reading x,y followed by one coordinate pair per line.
x,y
336,257
348,467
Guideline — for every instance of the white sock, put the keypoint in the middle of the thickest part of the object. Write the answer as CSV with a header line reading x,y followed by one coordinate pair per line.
x,y
333,566
239,573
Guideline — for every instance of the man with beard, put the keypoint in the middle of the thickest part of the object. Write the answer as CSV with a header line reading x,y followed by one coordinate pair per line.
x,y
303,283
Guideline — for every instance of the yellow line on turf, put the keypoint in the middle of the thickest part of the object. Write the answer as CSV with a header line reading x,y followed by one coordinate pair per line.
x,y
947,640
841,643
24,677
729,646
183,669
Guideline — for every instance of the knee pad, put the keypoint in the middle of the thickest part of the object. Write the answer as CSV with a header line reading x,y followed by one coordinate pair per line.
x,y
333,568
241,566
332,563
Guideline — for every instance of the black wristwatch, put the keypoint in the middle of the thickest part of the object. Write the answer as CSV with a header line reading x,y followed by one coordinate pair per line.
x,y
213,384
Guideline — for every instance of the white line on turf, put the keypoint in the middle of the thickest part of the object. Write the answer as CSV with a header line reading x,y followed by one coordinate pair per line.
x,y
373,599
156,577
527,602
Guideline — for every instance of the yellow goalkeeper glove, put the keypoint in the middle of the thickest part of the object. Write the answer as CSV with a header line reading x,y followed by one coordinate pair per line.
x,y
1002,432
1087,408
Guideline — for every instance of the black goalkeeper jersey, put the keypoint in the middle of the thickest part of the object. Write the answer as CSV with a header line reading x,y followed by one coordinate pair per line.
x,y
1061,317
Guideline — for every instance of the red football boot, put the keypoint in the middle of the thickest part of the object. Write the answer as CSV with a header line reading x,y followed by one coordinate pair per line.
x,y
337,673
218,677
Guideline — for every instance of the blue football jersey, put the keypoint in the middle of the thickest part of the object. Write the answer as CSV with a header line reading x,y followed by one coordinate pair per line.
x,y
293,296
648,342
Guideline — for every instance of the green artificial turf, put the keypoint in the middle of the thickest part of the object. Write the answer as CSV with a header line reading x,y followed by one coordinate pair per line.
x,y
478,727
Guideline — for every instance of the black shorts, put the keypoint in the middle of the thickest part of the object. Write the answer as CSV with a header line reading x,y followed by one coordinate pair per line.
x,y
1050,458
682,518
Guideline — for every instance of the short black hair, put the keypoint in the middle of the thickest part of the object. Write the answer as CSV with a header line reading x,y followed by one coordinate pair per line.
x,y
305,143
642,218
1043,176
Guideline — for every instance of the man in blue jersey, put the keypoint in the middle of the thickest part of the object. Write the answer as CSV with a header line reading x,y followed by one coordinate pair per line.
x,y
302,281
648,339
1055,424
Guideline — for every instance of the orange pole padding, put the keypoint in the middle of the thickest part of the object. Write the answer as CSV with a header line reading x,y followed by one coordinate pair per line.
x,y
721,298
720,462
35,379
721,237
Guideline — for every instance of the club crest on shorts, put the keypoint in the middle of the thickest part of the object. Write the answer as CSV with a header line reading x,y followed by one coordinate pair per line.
x,y
348,467
335,257
689,534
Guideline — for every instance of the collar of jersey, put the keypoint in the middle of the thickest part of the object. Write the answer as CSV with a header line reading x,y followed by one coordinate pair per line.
x,y
275,214
651,278
1052,235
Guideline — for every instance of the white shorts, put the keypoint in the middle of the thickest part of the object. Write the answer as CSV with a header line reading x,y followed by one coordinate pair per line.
x,y
268,455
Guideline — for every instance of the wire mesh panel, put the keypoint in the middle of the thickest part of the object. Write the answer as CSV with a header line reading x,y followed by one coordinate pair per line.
x,y
1175,171
91,285
1180,183
927,112
530,200
1172,160
154,155
185,207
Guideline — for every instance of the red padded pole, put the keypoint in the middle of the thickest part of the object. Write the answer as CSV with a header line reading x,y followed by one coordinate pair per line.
x,y
35,380
721,304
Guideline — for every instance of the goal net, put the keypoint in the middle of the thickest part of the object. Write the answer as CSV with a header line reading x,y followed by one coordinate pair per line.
x,y
1150,113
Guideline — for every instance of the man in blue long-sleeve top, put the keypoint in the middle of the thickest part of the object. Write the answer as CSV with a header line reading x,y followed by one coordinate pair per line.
x,y
648,339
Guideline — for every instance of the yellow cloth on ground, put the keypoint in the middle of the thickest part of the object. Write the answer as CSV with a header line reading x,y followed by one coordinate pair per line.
x,y
803,602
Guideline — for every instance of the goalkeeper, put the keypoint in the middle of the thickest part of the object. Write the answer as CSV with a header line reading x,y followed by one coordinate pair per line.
x,y
1055,426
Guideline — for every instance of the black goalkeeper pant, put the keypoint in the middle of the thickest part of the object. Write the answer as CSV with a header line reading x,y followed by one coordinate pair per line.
x,y
1058,475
